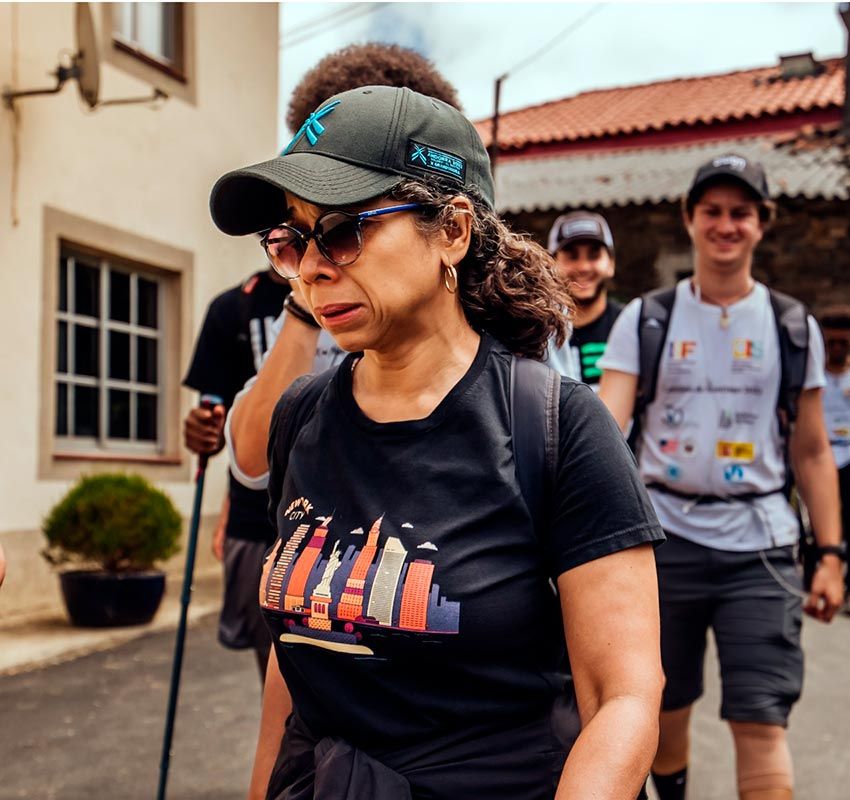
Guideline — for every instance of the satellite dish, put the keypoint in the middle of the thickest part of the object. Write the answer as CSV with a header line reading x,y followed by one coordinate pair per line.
x,y
84,68
86,60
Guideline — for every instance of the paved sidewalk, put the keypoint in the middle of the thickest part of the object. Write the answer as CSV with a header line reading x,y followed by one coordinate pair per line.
x,y
44,640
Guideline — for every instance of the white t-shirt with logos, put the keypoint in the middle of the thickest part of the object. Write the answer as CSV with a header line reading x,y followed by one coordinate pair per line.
x,y
713,428
836,412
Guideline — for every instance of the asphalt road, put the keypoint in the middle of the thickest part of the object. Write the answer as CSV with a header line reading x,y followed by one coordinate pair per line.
x,y
91,729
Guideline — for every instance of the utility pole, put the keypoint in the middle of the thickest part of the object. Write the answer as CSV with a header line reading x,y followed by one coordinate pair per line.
x,y
494,127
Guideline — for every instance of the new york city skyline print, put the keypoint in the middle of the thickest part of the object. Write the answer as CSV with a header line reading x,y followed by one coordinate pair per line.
x,y
335,600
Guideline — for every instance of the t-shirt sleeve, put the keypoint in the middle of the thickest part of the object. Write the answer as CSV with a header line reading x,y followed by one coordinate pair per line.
x,y
600,503
621,352
815,376
209,373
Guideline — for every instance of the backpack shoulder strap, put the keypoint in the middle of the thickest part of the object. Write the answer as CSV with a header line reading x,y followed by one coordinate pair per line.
x,y
654,320
656,308
792,325
535,391
294,407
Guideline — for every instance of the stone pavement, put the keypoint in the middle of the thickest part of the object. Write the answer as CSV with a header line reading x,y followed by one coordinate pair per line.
x,y
91,728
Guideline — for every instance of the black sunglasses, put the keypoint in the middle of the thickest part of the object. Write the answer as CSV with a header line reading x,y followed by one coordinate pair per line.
x,y
338,235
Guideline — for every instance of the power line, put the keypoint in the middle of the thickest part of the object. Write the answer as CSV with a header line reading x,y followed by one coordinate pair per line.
x,y
572,27
320,19
340,18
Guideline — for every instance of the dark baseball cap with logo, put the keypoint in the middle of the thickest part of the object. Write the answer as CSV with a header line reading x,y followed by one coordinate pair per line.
x,y
580,226
356,146
730,166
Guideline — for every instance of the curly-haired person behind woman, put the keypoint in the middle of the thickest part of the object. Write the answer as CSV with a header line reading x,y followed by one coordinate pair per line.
x,y
420,650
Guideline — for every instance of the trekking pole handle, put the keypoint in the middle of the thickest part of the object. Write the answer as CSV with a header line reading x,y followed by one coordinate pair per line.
x,y
209,402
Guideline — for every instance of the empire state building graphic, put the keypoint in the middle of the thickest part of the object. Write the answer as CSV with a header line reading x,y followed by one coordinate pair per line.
x,y
341,600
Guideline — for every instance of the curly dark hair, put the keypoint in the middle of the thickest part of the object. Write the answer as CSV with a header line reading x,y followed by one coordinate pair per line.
x,y
369,64
509,285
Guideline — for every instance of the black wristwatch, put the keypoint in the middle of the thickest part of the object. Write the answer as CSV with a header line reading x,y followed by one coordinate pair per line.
x,y
839,550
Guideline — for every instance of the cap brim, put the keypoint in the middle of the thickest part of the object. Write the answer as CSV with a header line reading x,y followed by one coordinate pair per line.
x,y
251,199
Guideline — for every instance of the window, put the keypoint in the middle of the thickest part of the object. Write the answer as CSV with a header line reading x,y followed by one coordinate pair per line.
x,y
152,32
108,370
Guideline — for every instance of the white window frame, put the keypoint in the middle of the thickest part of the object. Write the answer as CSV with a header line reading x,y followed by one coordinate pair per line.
x,y
126,24
103,443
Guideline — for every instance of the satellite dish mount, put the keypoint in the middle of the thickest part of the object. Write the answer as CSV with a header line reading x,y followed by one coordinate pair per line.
x,y
84,69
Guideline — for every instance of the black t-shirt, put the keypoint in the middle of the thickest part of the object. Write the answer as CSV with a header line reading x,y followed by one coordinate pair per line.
x,y
590,341
408,595
229,350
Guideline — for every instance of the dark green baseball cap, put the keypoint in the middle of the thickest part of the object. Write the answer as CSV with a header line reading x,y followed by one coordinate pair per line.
x,y
356,146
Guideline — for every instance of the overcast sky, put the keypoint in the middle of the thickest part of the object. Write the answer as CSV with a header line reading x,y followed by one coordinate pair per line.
x,y
620,44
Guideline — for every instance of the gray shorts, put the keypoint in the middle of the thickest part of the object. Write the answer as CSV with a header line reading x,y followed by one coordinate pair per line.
x,y
756,624
241,624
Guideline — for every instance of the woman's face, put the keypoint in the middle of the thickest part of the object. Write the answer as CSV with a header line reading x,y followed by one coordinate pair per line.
x,y
392,293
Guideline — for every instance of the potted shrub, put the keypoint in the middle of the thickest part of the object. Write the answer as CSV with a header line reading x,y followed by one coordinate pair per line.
x,y
105,535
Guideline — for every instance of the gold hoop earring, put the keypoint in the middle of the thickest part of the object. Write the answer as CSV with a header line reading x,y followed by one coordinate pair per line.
x,y
450,272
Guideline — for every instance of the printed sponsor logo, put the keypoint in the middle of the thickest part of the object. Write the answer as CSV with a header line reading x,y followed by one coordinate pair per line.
x,y
733,473
668,446
672,417
673,472
728,418
682,350
746,349
739,451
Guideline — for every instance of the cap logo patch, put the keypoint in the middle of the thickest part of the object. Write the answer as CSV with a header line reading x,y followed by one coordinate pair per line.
x,y
312,129
733,162
578,227
423,156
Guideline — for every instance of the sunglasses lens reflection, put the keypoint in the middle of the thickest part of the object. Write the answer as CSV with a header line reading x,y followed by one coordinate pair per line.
x,y
285,250
339,235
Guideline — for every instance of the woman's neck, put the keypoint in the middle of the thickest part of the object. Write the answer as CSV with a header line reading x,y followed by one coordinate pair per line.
x,y
409,380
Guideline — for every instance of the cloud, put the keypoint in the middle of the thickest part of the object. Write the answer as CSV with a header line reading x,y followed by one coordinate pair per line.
x,y
427,546
357,530
406,525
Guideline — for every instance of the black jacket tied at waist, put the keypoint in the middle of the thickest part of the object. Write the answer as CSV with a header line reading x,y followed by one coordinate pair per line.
x,y
330,769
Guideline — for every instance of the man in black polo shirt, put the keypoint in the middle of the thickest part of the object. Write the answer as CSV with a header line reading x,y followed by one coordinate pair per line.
x,y
229,350
583,248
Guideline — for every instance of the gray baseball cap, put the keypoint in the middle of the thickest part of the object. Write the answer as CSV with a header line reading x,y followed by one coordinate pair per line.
x,y
356,146
580,226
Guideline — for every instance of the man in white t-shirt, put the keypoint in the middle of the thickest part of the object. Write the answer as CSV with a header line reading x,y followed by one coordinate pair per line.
x,y
835,323
711,450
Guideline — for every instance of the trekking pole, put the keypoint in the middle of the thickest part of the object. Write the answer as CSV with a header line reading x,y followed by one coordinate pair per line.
x,y
208,401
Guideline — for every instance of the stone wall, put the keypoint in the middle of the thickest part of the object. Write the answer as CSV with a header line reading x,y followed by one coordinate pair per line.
x,y
806,253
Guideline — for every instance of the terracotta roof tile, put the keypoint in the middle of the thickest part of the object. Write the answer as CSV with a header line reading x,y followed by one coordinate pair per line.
x,y
747,94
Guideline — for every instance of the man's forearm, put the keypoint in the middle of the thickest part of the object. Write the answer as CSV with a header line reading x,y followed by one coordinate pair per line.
x,y
817,482
291,357
611,758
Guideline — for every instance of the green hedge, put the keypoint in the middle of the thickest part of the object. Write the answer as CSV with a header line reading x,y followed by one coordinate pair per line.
x,y
118,522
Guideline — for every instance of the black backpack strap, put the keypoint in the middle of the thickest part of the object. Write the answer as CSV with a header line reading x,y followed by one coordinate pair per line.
x,y
792,325
653,322
535,392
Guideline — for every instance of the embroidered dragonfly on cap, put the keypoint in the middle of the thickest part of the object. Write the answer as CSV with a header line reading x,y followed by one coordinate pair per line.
x,y
312,129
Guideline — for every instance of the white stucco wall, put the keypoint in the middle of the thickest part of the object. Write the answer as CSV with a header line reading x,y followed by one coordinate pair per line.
x,y
137,170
